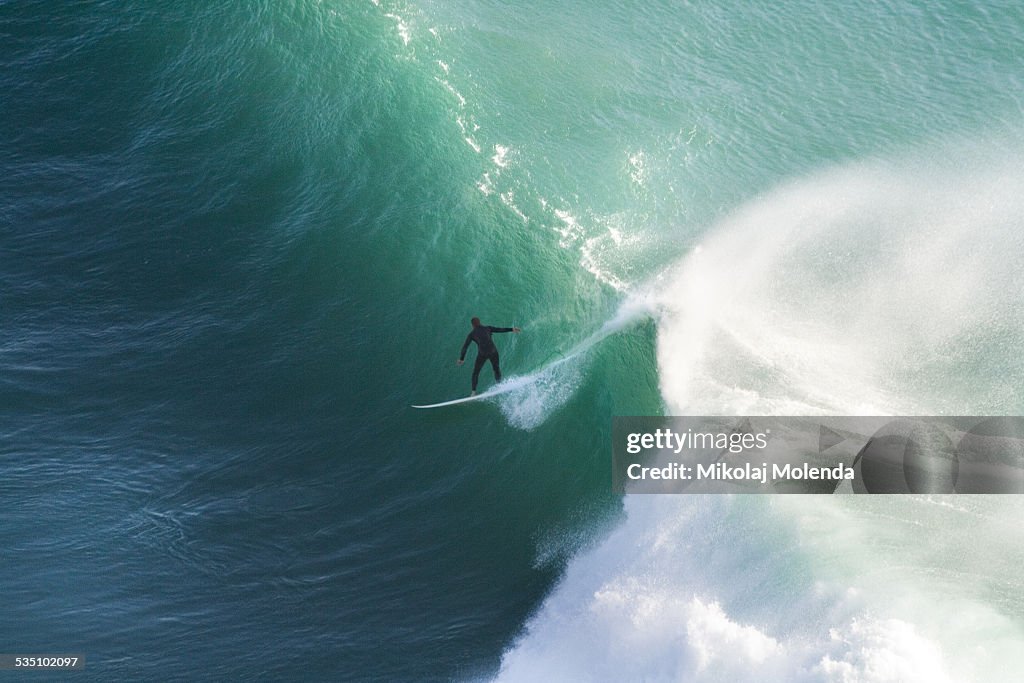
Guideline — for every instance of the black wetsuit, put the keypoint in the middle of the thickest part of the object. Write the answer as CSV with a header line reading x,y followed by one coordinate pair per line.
x,y
485,350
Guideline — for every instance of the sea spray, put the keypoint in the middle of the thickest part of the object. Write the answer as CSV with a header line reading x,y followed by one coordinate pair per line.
x,y
538,394
870,289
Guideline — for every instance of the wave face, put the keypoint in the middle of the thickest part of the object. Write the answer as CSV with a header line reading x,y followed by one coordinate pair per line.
x,y
240,239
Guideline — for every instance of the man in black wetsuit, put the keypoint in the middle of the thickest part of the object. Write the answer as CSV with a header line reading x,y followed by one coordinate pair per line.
x,y
485,349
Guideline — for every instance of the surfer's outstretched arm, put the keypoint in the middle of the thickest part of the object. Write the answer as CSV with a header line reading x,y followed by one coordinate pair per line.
x,y
465,346
504,329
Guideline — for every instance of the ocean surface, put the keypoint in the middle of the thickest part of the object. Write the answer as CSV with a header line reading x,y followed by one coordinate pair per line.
x,y
239,239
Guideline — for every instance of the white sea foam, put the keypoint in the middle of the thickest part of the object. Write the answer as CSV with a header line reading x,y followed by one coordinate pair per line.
x,y
876,288
509,199
403,28
638,171
606,244
570,228
485,184
458,96
591,258
725,589
500,157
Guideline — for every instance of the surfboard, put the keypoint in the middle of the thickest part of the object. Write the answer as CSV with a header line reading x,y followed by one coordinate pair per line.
x,y
493,391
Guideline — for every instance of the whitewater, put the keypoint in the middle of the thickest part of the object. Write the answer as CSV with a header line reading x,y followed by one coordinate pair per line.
x,y
881,287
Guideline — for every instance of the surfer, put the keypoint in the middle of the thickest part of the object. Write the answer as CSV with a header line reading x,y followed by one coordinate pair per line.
x,y
485,349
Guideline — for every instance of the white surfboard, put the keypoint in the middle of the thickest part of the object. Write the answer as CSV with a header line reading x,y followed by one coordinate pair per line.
x,y
493,391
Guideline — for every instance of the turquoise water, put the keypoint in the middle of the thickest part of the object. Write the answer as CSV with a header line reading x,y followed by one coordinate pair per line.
x,y
240,239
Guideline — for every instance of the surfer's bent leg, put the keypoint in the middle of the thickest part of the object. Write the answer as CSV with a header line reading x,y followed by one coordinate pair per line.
x,y
494,364
480,358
